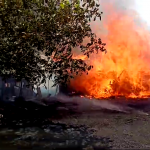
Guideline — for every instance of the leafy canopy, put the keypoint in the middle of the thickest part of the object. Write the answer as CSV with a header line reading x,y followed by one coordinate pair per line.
x,y
37,38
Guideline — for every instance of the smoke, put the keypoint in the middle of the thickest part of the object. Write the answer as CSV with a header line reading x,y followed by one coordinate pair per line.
x,y
87,104
83,104
111,11
121,7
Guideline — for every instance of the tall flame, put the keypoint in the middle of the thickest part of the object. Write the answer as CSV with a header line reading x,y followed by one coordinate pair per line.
x,y
125,69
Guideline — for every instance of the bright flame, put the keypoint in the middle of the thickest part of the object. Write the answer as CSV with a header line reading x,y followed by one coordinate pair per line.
x,y
125,69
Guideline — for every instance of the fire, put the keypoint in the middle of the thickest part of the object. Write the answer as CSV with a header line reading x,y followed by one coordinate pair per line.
x,y
82,57
125,69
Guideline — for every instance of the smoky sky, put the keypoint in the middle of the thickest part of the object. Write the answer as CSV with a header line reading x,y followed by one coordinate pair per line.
x,y
110,7
119,5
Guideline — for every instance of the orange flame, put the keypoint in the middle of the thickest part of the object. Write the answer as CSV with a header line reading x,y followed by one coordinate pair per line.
x,y
83,57
125,69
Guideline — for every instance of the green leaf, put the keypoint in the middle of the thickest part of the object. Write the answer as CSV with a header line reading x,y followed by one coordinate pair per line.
x,y
62,5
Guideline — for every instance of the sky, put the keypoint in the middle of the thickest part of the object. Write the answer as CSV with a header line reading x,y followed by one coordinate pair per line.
x,y
143,8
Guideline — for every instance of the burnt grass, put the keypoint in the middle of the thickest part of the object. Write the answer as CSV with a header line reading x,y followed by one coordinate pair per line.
x,y
26,125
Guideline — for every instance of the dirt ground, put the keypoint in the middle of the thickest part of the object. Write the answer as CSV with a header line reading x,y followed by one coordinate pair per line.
x,y
127,131
125,123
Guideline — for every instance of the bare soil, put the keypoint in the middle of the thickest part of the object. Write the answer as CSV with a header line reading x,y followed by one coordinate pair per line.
x,y
127,131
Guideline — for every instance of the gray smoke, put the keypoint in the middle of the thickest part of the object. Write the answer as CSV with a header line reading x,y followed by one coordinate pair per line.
x,y
84,104
109,7
87,104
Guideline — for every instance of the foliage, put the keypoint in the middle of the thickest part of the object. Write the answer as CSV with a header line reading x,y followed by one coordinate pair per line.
x,y
31,28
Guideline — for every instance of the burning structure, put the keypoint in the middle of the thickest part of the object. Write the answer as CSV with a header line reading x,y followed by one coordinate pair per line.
x,y
124,70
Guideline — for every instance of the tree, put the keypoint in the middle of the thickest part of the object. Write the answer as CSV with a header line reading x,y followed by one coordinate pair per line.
x,y
20,43
30,29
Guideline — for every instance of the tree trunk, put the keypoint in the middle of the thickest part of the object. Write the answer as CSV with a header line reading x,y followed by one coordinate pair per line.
x,y
57,89
39,92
